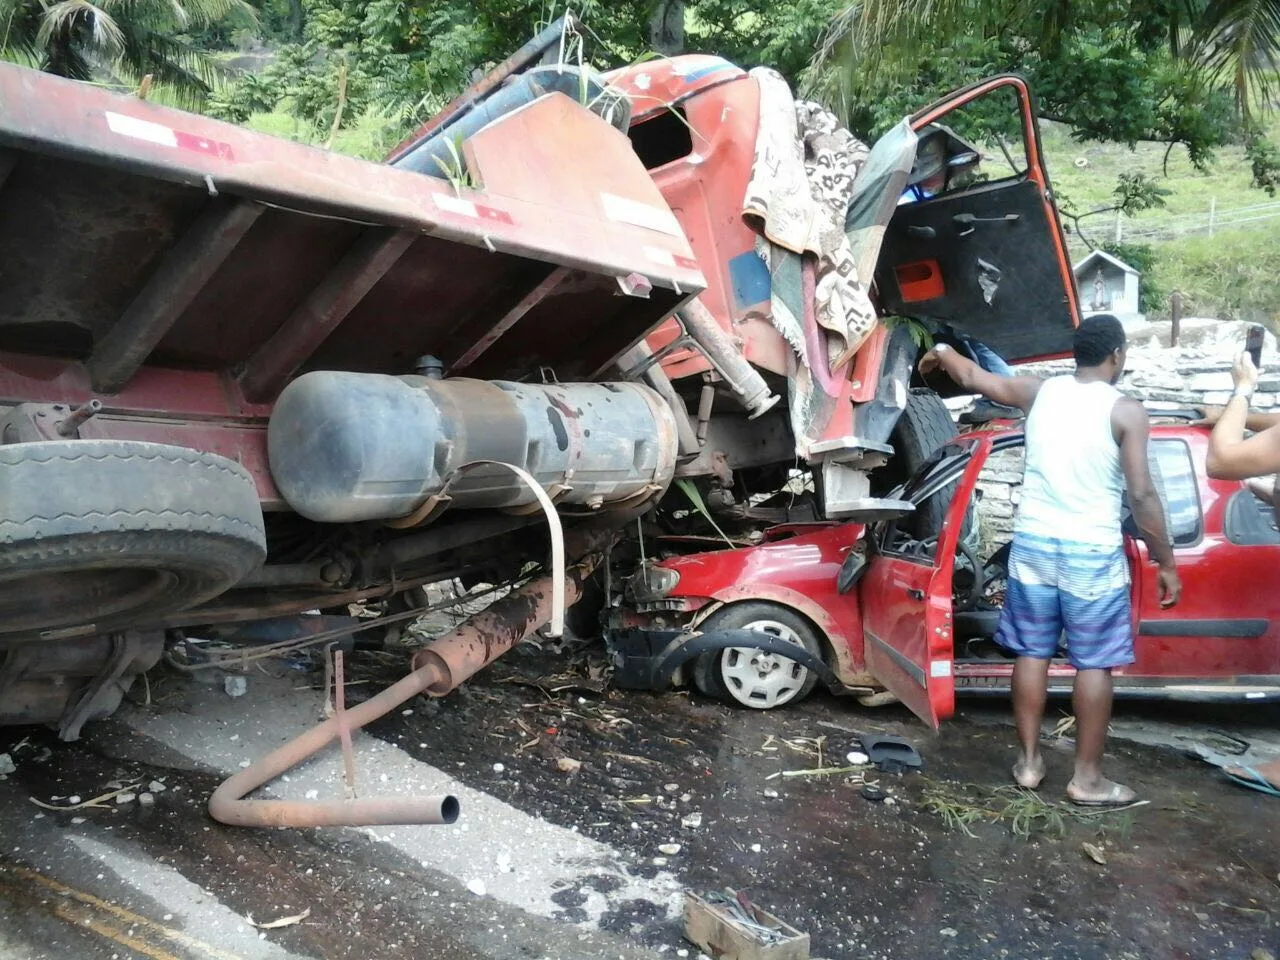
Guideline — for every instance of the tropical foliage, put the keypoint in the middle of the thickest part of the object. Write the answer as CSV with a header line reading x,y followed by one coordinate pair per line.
x,y
1189,72
120,39
406,60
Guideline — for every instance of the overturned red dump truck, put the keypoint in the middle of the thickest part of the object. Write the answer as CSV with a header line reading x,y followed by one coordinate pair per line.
x,y
246,380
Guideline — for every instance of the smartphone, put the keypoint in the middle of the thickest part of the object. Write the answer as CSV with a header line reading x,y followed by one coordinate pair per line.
x,y
1253,344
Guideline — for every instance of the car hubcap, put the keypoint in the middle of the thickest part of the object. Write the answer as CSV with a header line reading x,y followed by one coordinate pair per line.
x,y
763,680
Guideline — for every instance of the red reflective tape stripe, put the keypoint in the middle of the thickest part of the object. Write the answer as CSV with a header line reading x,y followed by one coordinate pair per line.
x,y
492,213
687,263
214,148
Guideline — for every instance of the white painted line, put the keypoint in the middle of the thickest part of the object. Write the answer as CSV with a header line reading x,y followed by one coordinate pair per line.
x,y
489,836
202,917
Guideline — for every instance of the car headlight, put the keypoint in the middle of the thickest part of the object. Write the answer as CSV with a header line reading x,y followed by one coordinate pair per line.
x,y
651,583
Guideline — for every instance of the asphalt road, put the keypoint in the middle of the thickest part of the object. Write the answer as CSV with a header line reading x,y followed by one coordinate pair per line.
x,y
545,863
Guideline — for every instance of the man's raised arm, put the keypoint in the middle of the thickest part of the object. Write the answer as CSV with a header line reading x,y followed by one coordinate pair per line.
x,y
1017,392
1231,456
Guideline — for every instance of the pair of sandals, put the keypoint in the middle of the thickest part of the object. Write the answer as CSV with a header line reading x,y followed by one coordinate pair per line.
x,y
1118,795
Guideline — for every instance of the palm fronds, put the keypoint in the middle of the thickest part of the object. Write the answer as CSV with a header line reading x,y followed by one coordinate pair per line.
x,y
119,39
1238,43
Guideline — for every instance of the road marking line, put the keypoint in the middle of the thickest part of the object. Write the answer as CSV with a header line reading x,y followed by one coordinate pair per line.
x,y
102,926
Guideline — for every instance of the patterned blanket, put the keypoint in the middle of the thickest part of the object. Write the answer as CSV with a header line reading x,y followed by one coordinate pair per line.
x,y
805,184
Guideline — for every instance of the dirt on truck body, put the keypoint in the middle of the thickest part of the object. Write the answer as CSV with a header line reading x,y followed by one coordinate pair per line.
x,y
246,383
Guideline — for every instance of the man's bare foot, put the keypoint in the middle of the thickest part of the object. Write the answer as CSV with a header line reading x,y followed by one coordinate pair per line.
x,y
1100,793
1028,773
1269,771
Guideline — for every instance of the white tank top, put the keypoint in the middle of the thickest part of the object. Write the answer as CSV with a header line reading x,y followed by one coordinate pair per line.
x,y
1073,482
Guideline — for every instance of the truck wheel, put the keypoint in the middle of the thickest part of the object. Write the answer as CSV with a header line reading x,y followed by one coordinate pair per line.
x,y
755,679
925,425
98,535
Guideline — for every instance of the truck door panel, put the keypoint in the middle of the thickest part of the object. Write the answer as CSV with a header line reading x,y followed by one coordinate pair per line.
x,y
979,245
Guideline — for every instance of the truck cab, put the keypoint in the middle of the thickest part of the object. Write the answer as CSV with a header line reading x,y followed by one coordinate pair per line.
x,y
946,236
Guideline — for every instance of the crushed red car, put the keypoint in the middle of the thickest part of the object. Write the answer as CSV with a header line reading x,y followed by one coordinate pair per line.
x,y
910,606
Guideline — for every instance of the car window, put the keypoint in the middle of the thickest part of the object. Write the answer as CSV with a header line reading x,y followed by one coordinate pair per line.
x,y
1250,522
947,461
915,536
1174,475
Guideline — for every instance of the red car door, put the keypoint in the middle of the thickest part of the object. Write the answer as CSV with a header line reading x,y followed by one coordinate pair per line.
x,y
906,592
1226,629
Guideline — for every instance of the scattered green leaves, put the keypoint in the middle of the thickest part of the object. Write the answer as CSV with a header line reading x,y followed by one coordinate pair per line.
x,y
920,334
690,490
455,168
1027,813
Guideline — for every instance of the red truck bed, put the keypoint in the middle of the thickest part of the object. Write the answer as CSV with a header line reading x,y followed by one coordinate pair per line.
x,y
132,234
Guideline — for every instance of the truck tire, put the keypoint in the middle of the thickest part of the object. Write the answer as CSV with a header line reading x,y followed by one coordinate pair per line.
x,y
99,535
925,425
778,681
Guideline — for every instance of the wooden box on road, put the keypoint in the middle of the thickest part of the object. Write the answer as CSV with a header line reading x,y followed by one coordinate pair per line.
x,y
714,930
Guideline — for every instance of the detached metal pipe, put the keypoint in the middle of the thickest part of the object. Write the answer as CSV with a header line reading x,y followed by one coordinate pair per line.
x,y
749,387
437,669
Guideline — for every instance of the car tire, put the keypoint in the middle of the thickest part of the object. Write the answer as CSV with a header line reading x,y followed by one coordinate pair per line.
x,y
706,675
100,535
781,681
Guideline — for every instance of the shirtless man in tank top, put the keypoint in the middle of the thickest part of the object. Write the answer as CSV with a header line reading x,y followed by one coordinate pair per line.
x,y
1068,575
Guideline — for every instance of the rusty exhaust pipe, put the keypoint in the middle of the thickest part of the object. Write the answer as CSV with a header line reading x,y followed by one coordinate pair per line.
x,y
437,669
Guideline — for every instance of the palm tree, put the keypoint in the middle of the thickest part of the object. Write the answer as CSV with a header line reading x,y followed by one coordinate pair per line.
x,y
1238,41
125,39
1229,42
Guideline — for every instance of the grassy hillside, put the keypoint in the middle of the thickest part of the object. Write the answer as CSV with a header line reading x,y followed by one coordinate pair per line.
x,y
1235,273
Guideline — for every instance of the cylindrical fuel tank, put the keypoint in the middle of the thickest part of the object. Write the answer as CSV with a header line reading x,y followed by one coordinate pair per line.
x,y
363,446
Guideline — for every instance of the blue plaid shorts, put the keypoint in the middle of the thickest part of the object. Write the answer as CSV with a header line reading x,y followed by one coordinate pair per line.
x,y
1058,586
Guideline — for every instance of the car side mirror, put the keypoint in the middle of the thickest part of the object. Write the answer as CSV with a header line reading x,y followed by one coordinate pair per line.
x,y
852,569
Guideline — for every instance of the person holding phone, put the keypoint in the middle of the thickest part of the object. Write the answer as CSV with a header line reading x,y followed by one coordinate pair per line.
x,y
1068,574
1232,456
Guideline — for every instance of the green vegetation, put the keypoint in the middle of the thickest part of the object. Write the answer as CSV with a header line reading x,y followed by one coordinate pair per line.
x,y
1233,274
121,40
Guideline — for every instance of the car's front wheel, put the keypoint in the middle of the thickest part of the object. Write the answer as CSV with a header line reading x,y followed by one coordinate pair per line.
x,y
749,676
